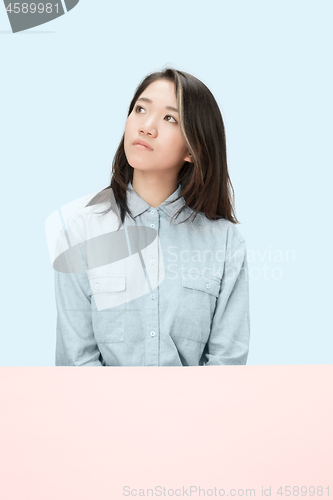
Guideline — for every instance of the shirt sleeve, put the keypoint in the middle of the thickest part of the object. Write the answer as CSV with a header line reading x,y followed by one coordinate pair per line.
x,y
228,343
75,341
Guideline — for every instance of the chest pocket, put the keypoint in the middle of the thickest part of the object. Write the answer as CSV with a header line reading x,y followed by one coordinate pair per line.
x,y
196,306
108,308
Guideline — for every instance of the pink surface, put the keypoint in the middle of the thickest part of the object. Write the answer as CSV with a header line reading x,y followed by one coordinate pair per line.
x,y
85,433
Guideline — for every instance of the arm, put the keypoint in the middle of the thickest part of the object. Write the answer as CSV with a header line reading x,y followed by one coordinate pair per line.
x,y
75,341
228,343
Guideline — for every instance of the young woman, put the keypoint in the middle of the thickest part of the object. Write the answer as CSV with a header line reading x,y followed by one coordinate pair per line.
x,y
164,280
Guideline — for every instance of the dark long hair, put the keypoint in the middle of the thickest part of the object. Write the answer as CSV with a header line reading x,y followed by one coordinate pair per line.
x,y
206,185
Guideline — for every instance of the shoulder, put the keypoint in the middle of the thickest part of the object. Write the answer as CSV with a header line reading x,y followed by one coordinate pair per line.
x,y
223,228
88,220
73,209
234,236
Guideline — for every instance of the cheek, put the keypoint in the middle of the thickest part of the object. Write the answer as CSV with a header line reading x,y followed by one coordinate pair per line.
x,y
177,143
130,124
127,129
127,138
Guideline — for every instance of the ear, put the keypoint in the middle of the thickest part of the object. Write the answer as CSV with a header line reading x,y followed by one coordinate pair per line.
x,y
188,158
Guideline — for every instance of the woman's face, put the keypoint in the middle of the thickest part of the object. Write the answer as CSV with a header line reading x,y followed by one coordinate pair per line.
x,y
154,121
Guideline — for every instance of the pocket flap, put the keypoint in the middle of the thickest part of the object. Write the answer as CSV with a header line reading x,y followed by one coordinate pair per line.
x,y
107,284
201,283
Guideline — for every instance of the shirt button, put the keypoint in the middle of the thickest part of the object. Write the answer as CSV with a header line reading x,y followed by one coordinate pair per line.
x,y
208,285
152,211
152,225
152,296
97,286
152,334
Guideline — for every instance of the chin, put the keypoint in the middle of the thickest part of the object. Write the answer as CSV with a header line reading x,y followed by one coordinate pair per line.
x,y
137,164
142,168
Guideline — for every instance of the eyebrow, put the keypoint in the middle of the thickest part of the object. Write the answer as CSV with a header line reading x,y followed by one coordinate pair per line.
x,y
150,101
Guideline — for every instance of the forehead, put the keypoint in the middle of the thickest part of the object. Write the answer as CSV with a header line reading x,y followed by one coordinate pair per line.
x,y
160,91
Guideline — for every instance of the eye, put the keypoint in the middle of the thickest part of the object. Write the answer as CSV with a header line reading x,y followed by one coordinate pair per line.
x,y
174,119
137,108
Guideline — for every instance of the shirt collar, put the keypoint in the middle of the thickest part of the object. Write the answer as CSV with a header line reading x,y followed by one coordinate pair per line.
x,y
137,205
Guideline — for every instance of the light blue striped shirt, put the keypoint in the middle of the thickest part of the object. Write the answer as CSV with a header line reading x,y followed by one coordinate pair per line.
x,y
153,292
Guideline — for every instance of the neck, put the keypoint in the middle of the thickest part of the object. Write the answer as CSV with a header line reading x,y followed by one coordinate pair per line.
x,y
153,189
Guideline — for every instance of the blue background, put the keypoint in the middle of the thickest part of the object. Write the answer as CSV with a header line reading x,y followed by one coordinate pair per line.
x,y
65,91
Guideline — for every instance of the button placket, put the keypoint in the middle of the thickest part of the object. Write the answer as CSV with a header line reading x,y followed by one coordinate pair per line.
x,y
152,339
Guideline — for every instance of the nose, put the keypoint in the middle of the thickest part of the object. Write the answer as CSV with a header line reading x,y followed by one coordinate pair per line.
x,y
148,127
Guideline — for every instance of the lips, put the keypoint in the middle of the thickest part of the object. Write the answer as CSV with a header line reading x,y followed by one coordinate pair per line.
x,y
143,144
